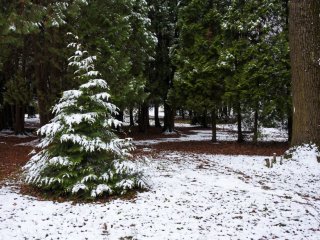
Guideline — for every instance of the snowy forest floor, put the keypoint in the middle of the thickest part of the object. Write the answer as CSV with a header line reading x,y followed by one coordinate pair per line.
x,y
198,190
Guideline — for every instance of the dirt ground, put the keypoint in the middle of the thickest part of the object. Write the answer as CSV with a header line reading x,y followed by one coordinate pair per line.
x,y
14,156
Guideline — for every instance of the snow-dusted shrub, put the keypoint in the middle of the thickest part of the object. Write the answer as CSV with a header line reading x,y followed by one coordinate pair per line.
x,y
80,154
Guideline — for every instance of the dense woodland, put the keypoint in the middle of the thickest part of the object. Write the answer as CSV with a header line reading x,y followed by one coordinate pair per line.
x,y
210,60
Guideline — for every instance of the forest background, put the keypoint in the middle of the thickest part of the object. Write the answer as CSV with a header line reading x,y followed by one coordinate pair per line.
x,y
215,61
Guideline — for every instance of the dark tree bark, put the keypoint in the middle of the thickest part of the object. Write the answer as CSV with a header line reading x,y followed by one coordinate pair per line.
x,y
41,75
289,125
156,116
143,117
190,114
183,115
214,125
131,117
6,118
2,126
168,121
19,119
204,122
304,38
239,121
255,126
120,116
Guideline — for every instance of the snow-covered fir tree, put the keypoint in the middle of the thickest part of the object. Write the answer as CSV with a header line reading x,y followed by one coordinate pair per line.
x,y
80,154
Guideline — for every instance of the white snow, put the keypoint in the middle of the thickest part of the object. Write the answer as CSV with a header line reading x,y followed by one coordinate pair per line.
x,y
191,196
10,133
32,120
223,134
78,186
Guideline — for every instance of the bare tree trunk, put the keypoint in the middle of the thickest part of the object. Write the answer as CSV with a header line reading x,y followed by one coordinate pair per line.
x,y
183,115
214,125
144,117
304,37
120,117
2,122
7,117
289,126
156,116
41,74
239,122
255,126
19,120
13,116
168,118
204,122
131,117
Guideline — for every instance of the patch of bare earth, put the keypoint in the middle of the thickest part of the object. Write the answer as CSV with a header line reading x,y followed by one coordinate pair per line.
x,y
206,147
13,156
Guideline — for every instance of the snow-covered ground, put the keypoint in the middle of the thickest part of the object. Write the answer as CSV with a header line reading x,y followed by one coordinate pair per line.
x,y
225,132
9,133
192,196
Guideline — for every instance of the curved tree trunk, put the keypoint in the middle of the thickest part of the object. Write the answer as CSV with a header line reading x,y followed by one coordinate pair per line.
x,y
304,37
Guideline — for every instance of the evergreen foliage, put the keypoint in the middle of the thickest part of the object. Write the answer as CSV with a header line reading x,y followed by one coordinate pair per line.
x,y
80,153
163,15
118,33
198,83
233,53
228,59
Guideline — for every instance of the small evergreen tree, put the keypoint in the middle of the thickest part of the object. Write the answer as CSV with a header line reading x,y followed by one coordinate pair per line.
x,y
81,155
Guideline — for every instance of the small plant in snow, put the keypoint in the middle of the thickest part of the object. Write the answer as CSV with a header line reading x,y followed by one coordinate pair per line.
x,y
80,154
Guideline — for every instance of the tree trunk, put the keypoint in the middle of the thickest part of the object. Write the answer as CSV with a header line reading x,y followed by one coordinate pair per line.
x,y
13,116
156,116
190,114
42,78
204,122
183,115
239,121
289,126
255,126
131,117
144,117
120,117
304,37
7,117
214,125
168,118
19,120
2,115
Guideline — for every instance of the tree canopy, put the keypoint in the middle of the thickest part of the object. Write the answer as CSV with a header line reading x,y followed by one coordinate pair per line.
x,y
217,60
